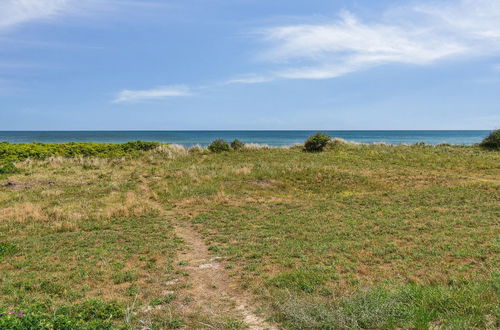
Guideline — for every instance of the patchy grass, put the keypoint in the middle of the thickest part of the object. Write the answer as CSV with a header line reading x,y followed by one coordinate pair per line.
x,y
319,231
69,233
355,237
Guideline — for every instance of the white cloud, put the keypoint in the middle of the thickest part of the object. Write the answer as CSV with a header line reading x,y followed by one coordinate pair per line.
x,y
248,79
15,12
419,35
158,93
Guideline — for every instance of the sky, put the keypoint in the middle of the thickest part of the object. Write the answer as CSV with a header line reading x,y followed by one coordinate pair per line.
x,y
249,64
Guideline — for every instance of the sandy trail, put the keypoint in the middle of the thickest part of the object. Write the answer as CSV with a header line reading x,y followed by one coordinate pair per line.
x,y
211,288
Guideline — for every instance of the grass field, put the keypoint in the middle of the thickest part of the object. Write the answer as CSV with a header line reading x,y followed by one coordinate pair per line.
x,y
358,236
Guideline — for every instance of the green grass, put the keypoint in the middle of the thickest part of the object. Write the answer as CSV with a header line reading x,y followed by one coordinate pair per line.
x,y
355,237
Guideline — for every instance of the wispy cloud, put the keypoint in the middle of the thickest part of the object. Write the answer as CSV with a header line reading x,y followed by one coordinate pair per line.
x,y
419,35
248,79
15,12
158,93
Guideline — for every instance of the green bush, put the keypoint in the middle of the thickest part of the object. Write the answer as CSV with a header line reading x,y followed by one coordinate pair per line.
x,y
219,146
8,168
317,142
492,141
237,144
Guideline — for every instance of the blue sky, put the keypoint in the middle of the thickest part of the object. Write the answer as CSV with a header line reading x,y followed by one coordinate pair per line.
x,y
249,64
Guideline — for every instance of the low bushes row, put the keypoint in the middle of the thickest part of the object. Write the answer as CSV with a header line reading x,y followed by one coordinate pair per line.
x,y
315,143
17,152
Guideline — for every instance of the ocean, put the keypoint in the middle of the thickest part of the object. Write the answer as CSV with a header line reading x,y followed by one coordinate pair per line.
x,y
272,138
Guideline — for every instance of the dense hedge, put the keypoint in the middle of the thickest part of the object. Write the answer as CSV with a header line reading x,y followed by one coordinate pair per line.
x,y
15,152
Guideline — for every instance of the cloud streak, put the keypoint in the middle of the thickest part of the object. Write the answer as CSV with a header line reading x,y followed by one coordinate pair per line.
x,y
158,93
419,35
16,12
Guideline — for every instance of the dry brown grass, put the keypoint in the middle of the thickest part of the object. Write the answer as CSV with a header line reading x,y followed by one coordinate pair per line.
x,y
22,213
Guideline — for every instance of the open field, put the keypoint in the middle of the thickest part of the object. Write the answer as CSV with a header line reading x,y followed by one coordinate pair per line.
x,y
358,236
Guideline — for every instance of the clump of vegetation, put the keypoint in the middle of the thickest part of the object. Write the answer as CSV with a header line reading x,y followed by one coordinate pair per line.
x,y
237,145
21,151
317,142
162,300
219,145
91,314
405,306
6,248
492,141
301,279
8,168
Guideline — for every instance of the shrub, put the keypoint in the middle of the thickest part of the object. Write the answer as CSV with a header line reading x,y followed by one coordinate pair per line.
x,y
8,168
317,142
139,145
492,141
237,144
219,146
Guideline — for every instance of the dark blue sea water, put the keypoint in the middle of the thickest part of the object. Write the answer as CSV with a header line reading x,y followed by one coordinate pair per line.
x,y
272,138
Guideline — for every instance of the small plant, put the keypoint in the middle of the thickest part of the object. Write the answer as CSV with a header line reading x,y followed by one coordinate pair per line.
x,y
162,300
219,146
492,141
122,277
237,145
6,248
317,142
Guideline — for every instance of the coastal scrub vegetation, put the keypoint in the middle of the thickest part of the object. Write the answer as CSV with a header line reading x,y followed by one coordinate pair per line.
x,y
219,146
492,141
317,142
237,145
358,236
21,151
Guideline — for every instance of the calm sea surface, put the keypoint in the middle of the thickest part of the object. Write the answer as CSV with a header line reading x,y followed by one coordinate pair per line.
x,y
272,138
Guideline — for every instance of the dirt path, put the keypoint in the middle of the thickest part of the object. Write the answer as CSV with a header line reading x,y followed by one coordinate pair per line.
x,y
212,290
